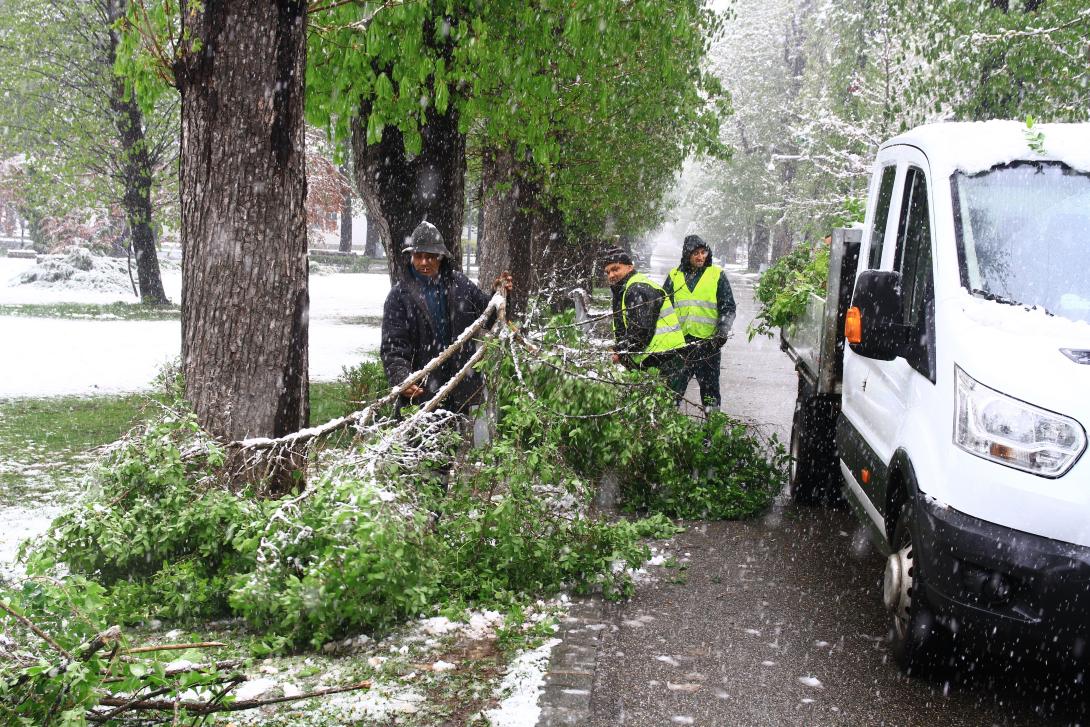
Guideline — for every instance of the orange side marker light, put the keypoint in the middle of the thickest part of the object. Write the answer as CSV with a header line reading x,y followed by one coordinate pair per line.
x,y
853,325
866,476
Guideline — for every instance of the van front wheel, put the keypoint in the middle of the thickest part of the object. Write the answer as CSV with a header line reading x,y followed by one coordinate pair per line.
x,y
918,641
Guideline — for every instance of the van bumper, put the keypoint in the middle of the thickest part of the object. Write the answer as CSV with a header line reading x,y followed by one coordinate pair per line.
x,y
986,580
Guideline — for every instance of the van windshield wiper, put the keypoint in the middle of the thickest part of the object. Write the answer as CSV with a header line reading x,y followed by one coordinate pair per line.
x,y
988,295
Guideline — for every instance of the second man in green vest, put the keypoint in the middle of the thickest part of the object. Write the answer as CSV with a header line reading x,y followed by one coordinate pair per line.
x,y
646,330
704,304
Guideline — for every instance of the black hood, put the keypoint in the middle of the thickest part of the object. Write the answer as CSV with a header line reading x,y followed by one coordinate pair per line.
x,y
691,243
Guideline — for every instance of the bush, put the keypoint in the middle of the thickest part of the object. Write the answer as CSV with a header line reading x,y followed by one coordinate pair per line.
x,y
157,522
516,525
668,462
351,556
366,382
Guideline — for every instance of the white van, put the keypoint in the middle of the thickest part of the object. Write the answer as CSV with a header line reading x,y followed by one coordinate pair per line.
x,y
964,390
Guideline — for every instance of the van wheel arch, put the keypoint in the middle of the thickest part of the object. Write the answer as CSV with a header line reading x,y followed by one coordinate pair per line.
x,y
919,641
901,486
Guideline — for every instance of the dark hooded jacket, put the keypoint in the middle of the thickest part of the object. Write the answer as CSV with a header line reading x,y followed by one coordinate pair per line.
x,y
724,296
411,338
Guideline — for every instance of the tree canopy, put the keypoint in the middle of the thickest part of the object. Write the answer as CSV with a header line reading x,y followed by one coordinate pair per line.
x,y
604,97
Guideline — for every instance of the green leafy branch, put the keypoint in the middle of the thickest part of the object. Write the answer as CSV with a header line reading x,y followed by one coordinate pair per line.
x,y
784,289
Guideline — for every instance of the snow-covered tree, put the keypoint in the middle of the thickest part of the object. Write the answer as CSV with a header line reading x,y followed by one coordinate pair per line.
x,y
87,144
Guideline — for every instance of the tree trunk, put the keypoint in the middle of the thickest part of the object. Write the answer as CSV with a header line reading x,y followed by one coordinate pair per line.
x,y
400,192
373,243
781,239
244,236
729,254
758,246
346,218
507,226
136,174
480,219
562,264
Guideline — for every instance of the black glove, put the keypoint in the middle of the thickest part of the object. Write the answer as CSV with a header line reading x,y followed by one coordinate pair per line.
x,y
719,341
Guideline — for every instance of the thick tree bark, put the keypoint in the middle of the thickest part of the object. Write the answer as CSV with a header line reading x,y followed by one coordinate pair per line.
x,y
480,217
346,219
758,246
400,191
729,253
244,237
562,263
136,175
507,228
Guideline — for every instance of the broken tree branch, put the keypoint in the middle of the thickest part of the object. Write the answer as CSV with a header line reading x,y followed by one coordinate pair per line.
x,y
198,707
175,647
37,631
497,303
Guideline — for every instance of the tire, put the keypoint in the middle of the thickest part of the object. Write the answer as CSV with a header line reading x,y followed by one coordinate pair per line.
x,y
814,476
919,642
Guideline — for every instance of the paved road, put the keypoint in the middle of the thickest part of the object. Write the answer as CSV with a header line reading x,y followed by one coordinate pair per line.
x,y
773,622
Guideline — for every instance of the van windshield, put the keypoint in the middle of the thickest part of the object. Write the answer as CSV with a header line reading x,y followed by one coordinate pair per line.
x,y
1023,235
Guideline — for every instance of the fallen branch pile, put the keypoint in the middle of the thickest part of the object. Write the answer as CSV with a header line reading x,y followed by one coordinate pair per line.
x,y
108,682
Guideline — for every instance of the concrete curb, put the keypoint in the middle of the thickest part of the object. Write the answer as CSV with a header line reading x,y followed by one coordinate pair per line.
x,y
569,681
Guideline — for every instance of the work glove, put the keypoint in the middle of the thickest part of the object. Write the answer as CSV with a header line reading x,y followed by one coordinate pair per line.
x,y
717,342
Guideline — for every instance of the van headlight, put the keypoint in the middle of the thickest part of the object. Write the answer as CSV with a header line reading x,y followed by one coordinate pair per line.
x,y
1011,432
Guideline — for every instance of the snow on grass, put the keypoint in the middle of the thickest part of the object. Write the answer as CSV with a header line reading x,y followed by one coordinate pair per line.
x,y
59,356
521,687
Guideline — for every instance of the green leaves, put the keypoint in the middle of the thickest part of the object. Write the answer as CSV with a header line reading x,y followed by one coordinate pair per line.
x,y
1035,138
784,289
985,62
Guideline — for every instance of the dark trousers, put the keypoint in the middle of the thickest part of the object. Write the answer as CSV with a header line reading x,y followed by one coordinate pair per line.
x,y
671,366
703,360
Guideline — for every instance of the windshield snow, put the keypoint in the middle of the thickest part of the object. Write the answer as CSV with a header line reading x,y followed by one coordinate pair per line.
x,y
1024,235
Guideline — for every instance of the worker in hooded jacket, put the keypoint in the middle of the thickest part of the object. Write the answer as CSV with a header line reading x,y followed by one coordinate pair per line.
x,y
704,304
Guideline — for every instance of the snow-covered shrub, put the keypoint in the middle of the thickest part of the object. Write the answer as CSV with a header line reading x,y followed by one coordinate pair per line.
x,y
352,555
518,522
78,267
157,529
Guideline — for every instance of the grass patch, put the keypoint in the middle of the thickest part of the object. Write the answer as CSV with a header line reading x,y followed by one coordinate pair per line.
x,y
45,443
95,311
328,400
361,321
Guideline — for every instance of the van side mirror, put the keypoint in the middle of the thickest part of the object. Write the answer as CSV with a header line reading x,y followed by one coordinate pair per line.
x,y
874,326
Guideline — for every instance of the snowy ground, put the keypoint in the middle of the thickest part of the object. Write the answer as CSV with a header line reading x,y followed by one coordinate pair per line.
x,y
58,356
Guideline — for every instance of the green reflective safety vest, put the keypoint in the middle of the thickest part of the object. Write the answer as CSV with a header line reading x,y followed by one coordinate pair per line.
x,y
668,335
697,309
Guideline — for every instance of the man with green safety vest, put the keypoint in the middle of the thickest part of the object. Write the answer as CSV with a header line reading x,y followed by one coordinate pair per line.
x,y
646,330
704,304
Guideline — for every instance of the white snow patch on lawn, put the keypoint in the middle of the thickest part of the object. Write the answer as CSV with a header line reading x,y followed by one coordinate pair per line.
x,y
254,688
69,356
521,688
20,523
